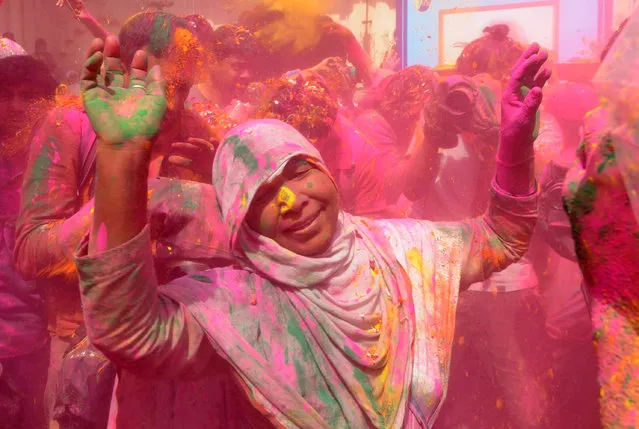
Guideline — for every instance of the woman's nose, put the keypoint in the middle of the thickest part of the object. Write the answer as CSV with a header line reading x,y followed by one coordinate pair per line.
x,y
289,200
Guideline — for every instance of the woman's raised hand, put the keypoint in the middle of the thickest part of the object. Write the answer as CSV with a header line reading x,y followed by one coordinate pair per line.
x,y
122,113
522,97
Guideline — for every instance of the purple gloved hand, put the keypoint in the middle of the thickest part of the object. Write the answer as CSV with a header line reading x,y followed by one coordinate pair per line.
x,y
519,105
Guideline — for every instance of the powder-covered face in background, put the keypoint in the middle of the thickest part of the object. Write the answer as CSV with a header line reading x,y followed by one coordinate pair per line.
x,y
298,209
233,74
14,105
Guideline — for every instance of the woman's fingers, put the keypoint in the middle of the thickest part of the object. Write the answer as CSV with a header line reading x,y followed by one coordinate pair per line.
x,y
527,70
139,71
95,46
204,144
195,150
155,84
542,78
532,102
529,52
184,148
114,67
92,66
179,160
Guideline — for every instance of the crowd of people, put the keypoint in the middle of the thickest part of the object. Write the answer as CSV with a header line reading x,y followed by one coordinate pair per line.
x,y
215,230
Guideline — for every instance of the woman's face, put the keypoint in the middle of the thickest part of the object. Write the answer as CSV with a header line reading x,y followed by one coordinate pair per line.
x,y
298,209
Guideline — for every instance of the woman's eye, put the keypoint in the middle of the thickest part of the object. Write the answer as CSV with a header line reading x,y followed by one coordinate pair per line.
x,y
302,171
262,197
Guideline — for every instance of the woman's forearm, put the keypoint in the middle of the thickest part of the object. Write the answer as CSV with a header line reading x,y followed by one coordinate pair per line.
x,y
120,195
126,318
515,172
501,236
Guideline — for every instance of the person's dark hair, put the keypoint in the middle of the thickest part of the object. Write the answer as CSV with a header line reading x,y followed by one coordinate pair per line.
x,y
202,28
613,39
9,35
153,30
235,41
41,89
305,104
495,53
24,69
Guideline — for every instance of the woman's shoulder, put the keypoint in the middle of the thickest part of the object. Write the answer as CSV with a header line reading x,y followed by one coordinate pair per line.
x,y
217,287
405,231
410,238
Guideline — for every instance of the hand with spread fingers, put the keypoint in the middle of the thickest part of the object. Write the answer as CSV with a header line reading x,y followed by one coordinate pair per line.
x,y
120,112
193,159
520,103
521,100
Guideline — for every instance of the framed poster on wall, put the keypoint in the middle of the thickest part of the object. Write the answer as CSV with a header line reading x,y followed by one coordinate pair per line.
x,y
459,26
433,37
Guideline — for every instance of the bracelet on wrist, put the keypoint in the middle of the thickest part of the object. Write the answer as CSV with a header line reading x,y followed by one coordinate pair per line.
x,y
514,164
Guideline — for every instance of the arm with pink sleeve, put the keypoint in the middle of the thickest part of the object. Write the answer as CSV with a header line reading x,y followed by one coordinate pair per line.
x,y
52,218
127,319
498,238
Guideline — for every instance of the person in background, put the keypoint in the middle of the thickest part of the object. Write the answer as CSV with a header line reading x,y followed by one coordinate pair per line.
x,y
26,93
303,100
493,54
230,62
41,53
392,114
600,204
340,78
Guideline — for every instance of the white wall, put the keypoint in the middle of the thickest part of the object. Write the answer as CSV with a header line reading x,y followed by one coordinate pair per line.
x,y
383,17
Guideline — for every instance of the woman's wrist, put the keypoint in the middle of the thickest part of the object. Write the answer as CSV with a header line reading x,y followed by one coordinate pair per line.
x,y
126,161
515,170
120,194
